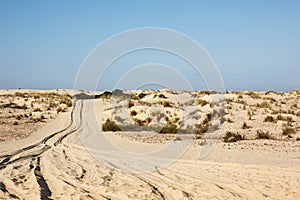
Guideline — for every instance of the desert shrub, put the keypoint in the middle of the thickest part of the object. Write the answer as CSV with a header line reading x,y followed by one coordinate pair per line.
x,y
294,106
269,118
66,100
16,123
244,107
19,94
18,106
263,104
249,115
298,113
110,126
292,112
169,128
229,120
19,117
148,120
288,119
61,109
254,95
37,110
162,96
24,106
241,101
232,137
142,95
37,119
134,97
133,113
166,104
202,128
202,102
271,99
262,135
139,122
245,126
106,95
130,104
288,130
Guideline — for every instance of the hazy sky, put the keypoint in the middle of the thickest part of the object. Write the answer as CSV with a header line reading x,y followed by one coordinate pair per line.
x,y
255,44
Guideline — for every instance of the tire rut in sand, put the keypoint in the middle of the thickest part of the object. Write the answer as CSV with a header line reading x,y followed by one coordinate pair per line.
x,y
45,191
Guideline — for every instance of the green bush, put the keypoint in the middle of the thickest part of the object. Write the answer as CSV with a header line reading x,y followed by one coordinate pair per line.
x,y
142,95
110,126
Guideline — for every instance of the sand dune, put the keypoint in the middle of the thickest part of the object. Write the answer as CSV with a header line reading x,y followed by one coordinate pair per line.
x,y
55,163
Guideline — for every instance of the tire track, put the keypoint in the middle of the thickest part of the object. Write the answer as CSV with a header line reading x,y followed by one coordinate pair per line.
x,y
45,191
8,157
36,151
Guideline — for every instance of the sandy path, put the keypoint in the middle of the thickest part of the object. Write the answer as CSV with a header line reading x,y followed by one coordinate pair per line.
x,y
58,166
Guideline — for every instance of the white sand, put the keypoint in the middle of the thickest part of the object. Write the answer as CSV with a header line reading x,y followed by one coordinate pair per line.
x,y
253,169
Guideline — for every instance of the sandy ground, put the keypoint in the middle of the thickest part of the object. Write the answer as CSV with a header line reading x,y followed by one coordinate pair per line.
x,y
24,111
69,158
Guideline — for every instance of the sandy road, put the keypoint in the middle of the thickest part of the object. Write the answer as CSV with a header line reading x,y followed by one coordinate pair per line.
x,y
59,167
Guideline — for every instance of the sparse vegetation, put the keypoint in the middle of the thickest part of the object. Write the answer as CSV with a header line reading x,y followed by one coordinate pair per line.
x,y
254,95
162,96
166,104
264,104
37,110
133,113
130,104
287,130
245,126
262,135
202,102
142,95
110,126
269,118
61,109
229,120
232,137
66,100
288,119
249,114
169,128
106,95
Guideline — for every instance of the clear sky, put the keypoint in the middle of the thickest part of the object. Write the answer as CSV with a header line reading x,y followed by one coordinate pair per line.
x,y
255,44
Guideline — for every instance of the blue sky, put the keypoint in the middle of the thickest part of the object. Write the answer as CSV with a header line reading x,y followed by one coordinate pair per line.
x,y
255,44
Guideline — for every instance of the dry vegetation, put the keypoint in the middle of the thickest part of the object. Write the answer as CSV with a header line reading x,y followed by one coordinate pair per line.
x,y
23,112
240,115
